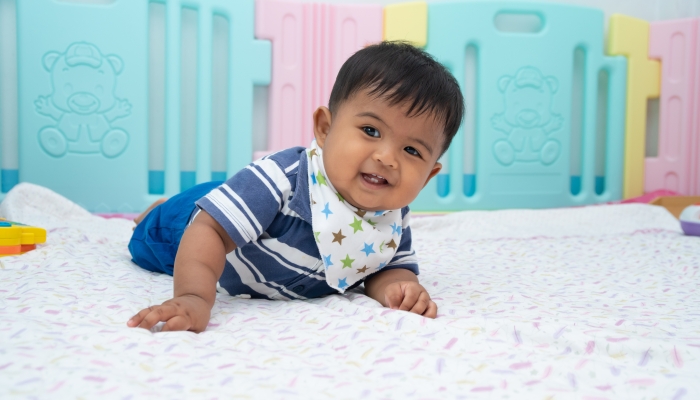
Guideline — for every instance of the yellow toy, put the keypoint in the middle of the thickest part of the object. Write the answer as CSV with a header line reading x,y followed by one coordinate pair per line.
x,y
16,238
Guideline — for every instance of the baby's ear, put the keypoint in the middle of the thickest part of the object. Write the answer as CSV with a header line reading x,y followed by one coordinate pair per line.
x,y
435,171
322,124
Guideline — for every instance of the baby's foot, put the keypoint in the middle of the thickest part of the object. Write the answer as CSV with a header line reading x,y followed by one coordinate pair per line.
x,y
151,207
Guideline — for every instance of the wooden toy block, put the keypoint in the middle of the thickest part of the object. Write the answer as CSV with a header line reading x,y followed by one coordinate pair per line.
x,y
675,204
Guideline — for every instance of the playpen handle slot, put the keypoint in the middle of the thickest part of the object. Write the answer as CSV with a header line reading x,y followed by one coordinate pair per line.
x,y
204,93
524,21
9,133
172,98
616,68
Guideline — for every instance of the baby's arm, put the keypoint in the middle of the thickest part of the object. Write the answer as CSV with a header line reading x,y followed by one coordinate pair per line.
x,y
198,266
399,289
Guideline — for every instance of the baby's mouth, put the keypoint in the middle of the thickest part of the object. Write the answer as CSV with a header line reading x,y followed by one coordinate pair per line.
x,y
375,179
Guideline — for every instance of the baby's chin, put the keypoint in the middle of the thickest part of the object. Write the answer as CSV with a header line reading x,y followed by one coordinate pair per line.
x,y
373,207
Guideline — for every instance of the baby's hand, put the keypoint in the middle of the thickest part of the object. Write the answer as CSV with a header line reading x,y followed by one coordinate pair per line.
x,y
410,296
184,313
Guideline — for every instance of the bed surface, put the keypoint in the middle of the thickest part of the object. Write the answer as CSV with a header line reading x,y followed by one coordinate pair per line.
x,y
594,302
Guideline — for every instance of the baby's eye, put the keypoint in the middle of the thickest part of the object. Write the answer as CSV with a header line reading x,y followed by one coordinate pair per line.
x,y
410,150
370,131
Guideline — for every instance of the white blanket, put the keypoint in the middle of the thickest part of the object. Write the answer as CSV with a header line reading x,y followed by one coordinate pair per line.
x,y
591,303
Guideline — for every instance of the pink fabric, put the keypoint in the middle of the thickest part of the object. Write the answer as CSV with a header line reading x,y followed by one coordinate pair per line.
x,y
117,215
649,197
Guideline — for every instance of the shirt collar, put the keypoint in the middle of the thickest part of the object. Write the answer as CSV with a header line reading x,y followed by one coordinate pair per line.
x,y
300,202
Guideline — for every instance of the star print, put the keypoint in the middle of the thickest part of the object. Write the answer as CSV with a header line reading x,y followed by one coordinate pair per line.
x,y
327,260
369,221
357,225
316,236
313,178
368,249
327,211
360,213
340,197
362,270
312,153
382,265
347,262
321,179
395,228
378,213
342,284
338,237
381,247
391,244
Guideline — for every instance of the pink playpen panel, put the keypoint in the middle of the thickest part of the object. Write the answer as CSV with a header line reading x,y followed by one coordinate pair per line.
x,y
696,130
675,43
310,42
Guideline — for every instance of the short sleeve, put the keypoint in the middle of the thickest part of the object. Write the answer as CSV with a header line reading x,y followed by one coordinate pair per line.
x,y
247,203
405,256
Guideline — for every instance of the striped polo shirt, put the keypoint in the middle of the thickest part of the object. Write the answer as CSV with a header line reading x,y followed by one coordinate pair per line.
x,y
269,220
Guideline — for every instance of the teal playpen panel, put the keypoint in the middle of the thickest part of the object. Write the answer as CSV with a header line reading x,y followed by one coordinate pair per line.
x,y
83,100
525,104
84,97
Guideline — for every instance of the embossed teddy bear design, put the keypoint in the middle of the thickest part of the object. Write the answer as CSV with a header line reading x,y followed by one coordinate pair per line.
x,y
82,103
527,120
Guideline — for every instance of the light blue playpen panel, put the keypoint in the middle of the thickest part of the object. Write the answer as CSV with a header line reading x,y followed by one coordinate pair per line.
x,y
523,107
84,97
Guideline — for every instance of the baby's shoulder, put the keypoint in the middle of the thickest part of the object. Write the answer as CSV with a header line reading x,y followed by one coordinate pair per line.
x,y
287,160
280,166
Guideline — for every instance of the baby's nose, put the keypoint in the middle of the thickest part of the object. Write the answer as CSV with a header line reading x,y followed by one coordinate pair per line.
x,y
386,158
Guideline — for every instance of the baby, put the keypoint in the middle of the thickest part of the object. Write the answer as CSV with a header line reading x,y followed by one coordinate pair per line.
x,y
304,223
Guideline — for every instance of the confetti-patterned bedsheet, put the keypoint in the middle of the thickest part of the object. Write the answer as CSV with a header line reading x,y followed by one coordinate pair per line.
x,y
590,303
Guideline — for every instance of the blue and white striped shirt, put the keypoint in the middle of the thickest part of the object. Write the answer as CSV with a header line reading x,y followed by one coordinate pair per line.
x,y
265,209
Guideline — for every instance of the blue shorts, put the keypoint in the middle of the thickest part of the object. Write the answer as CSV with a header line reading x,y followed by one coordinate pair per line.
x,y
155,240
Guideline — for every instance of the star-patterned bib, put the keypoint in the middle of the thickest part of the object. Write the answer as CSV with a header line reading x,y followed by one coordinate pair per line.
x,y
353,243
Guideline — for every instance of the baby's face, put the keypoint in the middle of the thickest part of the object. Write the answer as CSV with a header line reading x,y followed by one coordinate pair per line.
x,y
375,156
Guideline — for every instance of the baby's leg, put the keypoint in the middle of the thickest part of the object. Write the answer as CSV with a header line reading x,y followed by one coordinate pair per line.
x,y
151,207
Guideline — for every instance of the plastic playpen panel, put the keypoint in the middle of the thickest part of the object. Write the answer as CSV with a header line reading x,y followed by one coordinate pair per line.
x,y
82,75
83,96
696,121
88,138
407,22
524,106
310,42
675,168
630,37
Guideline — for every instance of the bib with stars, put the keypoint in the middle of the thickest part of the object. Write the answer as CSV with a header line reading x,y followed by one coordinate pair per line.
x,y
353,243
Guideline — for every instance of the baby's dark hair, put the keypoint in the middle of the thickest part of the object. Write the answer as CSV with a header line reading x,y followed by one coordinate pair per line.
x,y
402,73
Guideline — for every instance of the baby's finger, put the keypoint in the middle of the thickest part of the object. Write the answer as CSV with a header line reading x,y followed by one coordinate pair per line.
x,y
177,323
431,312
421,304
393,296
410,296
136,319
157,314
